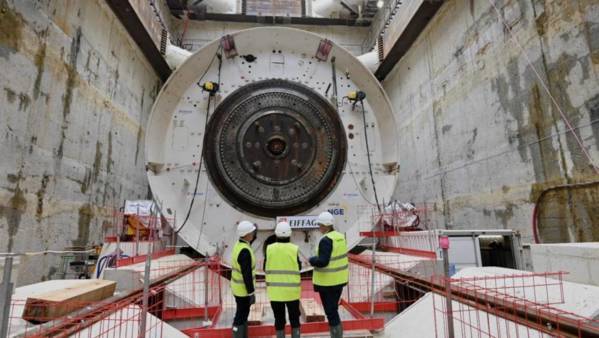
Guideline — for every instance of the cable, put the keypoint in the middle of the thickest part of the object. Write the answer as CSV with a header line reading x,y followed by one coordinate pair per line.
x,y
218,52
37,253
351,172
545,87
535,211
220,64
467,164
195,190
376,197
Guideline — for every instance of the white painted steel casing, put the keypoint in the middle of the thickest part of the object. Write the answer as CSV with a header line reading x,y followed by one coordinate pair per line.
x,y
175,132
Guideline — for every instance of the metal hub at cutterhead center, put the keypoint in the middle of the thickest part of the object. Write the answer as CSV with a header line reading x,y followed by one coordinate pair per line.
x,y
275,148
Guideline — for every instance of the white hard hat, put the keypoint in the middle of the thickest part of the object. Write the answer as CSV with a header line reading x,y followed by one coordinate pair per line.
x,y
283,229
325,218
245,227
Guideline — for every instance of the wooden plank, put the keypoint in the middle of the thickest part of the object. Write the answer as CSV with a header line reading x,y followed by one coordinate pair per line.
x,y
54,304
256,313
389,293
311,310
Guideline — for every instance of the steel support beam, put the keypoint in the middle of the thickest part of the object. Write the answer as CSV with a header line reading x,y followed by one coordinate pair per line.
x,y
402,44
272,19
136,29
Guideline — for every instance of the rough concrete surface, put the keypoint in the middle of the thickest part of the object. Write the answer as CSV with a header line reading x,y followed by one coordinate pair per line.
x,y
480,132
578,260
75,94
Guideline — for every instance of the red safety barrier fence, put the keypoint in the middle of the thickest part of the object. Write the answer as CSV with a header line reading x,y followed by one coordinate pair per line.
x,y
60,310
516,305
188,298
142,258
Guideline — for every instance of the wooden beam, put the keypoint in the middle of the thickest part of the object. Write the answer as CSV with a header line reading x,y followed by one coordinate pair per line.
x,y
55,304
311,310
256,314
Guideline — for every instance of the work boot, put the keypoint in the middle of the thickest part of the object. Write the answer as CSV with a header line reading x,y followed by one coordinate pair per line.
x,y
238,332
336,331
280,333
295,332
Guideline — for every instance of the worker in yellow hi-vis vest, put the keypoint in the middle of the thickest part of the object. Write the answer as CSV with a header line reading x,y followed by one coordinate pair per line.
x,y
331,271
243,277
283,282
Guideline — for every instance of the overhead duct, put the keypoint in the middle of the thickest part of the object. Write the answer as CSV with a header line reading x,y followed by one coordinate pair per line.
x,y
370,60
175,55
214,6
333,8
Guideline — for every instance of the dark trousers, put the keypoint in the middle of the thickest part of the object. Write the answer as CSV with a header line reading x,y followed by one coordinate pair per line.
x,y
242,312
329,297
278,308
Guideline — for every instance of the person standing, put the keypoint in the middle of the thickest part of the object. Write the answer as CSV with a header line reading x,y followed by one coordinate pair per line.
x,y
331,271
243,277
283,280
268,241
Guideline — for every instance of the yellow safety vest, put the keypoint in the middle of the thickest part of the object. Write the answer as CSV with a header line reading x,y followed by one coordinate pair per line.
x,y
283,283
337,272
237,284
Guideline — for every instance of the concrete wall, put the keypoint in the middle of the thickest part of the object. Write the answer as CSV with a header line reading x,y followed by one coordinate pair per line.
x,y
579,260
75,95
480,135
198,33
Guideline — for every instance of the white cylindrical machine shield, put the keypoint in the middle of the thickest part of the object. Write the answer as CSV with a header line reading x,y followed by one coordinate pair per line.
x,y
262,124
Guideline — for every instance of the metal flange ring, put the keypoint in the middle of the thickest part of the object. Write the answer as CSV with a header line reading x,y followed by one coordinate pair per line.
x,y
275,147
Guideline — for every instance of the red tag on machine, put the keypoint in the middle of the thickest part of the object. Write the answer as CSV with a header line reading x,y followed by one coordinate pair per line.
x,y
324,48
444,242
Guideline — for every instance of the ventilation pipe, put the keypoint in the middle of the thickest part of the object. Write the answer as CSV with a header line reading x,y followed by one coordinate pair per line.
x,y
370,60
217,6
331,8
175,55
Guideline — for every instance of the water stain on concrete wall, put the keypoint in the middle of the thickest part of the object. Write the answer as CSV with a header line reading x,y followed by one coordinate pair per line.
x,y
593,107
109,161
91,175
24,101
505,215
568,213
71,83
39,61
86,215
526,126
72,69
15,208
10,95
11,24
41,193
